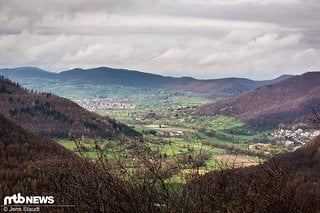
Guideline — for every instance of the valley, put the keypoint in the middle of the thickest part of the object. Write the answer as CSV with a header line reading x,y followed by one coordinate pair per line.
x,y
161,110
160,106
169,115
162,139
167,119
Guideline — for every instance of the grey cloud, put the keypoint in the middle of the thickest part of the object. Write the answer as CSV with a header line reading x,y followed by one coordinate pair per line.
x,y
31,12
200,38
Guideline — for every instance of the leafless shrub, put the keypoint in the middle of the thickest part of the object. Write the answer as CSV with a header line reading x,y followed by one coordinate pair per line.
x,y
315,117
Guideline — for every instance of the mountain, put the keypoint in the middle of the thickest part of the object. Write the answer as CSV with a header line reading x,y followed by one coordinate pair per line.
x,y
286,102
217,88
109,76
26,72
47,114
286,183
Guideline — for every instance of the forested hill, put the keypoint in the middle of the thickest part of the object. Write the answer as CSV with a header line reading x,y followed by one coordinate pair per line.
x,y
213,88
32,165
285,102
22,154
15,142
50,115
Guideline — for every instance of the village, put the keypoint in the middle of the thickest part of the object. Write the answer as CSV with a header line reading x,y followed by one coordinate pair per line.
x,y
295,138
104,104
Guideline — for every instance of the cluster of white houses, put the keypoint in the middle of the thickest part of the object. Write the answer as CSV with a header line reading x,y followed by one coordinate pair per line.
x,y
293,137
104,104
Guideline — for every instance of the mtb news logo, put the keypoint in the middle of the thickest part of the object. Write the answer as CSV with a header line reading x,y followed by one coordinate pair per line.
x,y
20,203
18,199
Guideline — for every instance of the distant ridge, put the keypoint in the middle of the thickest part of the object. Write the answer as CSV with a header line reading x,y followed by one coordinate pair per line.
x,y
214,88
286,102
26,72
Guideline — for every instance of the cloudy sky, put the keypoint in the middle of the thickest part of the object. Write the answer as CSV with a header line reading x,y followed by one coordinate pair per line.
x,y
258,39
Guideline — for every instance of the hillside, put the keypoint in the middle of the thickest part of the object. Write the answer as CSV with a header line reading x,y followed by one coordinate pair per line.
x,y
32,165
47,114
284,102
22,154
215,88
287,183
21,146
225,87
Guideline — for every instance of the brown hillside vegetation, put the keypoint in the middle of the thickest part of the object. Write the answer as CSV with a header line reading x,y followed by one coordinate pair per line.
x,y
31,165
222,88
50,115
283,102
287,183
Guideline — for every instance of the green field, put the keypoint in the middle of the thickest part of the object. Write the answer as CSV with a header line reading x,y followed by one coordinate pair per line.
x,y
158,113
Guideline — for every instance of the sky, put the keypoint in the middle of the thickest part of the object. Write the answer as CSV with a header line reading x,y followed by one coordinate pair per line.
x,y
256,39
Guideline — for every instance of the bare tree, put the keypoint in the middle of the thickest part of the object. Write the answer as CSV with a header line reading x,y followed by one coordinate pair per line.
x,y
315,118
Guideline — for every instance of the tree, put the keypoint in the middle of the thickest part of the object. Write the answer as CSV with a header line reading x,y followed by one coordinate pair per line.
x,y
315,118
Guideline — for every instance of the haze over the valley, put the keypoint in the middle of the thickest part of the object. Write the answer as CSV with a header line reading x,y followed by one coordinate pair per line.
x,y
203,38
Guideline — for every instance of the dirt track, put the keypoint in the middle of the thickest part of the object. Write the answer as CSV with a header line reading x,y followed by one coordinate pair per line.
x,y
238,161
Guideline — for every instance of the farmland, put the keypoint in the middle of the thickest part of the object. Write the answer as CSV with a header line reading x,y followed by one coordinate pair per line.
x,y
167,115
170,127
